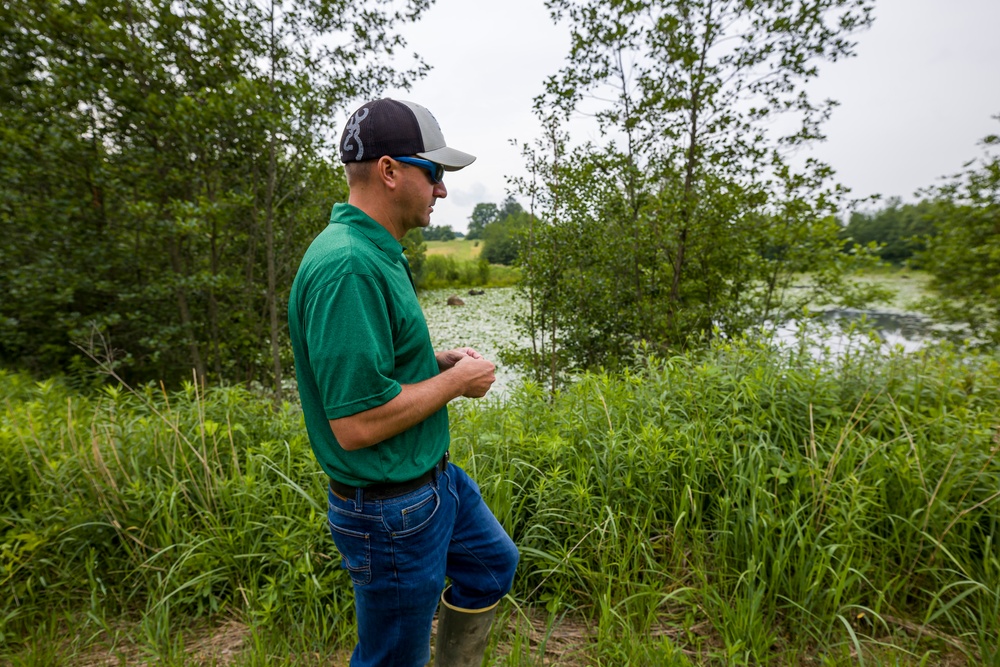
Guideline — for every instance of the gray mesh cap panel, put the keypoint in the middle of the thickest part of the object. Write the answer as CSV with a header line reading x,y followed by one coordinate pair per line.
x,y
435,149
430,130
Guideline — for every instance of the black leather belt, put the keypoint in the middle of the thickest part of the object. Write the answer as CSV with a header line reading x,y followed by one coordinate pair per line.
x,y
389,489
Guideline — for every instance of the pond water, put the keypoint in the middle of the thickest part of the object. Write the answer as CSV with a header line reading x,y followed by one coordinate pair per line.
x,y
487,323
838,329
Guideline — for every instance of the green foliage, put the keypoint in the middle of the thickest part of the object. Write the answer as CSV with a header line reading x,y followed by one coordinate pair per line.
x,y
482,215
415,249
457,264
759,503
485,214
509,207
445,271
164,167
899,230
439,233
501,229
688,220
736,505
502,239
174,507
964,255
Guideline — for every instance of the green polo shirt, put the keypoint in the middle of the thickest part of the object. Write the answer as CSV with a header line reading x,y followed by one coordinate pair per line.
x,y
358,333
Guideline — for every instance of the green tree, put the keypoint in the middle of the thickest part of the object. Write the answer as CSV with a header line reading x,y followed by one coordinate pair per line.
x,y
415,250
503,239
482,215
900,230
161,159
503,229
689,220
439,233
509,207
964,255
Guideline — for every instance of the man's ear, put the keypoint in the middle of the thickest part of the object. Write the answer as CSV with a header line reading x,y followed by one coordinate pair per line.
x,y
387,171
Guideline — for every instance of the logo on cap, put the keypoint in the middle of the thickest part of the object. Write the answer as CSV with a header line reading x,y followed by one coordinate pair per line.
x,y
353,133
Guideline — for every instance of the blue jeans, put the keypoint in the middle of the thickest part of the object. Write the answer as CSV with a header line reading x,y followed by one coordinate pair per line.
x,y
398,552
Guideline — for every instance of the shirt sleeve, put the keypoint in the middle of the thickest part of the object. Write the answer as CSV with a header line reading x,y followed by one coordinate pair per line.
x,y
350,343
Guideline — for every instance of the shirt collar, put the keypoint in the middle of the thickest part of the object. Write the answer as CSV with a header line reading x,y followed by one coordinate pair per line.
x,y
352,215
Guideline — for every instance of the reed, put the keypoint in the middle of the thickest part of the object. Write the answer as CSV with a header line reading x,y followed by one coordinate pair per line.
x,y
734,506
768,505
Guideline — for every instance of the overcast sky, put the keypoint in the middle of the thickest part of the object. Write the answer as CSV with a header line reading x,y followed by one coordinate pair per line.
x,y
913,104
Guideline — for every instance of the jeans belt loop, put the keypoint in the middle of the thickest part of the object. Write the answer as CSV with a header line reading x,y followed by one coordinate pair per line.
x,y
439,468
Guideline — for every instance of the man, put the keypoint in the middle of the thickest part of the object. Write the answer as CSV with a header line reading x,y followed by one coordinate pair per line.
x,y
375,394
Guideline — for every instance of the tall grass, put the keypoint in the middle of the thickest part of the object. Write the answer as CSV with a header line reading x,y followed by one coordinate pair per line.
x,y
160,510
738,506
766,508
445,271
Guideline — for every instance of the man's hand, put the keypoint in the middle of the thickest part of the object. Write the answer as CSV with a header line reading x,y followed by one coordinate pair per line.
x,y
448,358
475,374
464,372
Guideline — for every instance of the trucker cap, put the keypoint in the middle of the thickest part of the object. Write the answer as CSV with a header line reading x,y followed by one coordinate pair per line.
x,y
397,128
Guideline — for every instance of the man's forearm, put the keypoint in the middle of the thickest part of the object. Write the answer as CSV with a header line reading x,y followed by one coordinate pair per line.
x,y
414,404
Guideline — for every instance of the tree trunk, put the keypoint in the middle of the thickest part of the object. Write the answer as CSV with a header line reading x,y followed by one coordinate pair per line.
x,y
272,291
184,309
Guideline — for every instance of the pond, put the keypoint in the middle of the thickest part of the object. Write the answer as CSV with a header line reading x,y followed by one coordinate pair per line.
x,y
487,323
837,329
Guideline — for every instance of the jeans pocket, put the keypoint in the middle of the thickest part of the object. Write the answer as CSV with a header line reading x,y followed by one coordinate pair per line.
x,y
355,549
411,513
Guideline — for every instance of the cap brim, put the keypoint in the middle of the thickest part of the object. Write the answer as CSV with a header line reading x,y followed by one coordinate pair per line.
x,y
449,158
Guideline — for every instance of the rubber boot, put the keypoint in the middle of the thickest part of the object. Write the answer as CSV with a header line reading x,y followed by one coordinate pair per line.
x,y
462,634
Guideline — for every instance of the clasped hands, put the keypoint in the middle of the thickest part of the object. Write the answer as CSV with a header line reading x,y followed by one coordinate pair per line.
x,y
474,372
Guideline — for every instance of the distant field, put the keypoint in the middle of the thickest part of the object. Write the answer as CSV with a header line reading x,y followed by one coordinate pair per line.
x,y
461,249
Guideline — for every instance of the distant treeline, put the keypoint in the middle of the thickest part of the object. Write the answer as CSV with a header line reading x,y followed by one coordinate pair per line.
x,y
500,228
900,231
